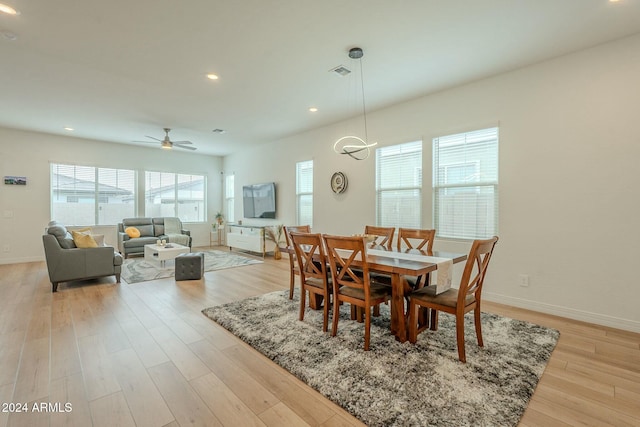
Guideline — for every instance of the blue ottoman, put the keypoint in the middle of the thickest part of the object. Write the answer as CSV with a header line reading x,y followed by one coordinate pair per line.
x,y
190,266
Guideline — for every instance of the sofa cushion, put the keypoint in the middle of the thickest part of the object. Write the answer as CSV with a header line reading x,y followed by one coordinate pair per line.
x,y
83,240
134,222
139,242
99,238
158,226
62,235
146,230
132,232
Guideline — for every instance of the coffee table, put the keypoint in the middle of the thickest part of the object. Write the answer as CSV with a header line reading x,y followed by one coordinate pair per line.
x,y
154,252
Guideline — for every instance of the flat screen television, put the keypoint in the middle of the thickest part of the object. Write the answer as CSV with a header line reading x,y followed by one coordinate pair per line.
x,y
259,200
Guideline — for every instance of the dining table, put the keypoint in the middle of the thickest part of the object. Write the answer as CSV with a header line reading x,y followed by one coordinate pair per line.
x,y
396,264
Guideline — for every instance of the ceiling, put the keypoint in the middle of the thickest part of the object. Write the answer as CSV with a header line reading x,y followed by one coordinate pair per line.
x,y
117,71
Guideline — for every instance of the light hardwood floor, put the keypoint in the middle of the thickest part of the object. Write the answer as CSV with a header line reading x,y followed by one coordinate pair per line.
x,y
144,355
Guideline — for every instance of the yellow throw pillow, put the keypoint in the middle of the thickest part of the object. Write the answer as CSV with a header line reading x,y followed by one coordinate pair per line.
x,y
132,232
83,240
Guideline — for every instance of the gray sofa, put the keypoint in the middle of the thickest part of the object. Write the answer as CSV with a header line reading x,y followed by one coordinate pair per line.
x,y
151,230
66,262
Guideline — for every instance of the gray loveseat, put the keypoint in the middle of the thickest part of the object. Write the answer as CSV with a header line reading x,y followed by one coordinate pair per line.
x,y
66,262
151,230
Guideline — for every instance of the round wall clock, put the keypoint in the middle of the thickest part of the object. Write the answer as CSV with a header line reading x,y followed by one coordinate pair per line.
x,y
338,182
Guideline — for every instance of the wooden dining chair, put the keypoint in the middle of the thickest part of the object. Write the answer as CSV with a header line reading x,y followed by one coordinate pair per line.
x,y
385,235
313,272
417,241
351,286
456,301
293,268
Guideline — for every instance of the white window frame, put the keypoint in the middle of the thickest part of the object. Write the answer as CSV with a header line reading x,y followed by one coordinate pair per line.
x,y
303,190
385,157
177,201
96,194
229,197
476,215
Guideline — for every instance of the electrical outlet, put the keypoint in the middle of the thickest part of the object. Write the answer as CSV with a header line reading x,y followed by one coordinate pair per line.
x,y
6,248
523,279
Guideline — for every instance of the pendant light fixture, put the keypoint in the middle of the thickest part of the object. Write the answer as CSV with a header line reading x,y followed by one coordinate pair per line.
x,y
351,145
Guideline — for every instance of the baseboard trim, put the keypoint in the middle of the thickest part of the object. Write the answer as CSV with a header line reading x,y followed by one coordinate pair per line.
x,y
570,313
20,260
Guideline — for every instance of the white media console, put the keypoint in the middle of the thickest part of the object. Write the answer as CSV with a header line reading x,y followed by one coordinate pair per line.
x,y
248,238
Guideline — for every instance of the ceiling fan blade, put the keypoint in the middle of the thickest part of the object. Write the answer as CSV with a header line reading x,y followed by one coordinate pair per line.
x,y
153,137
182,142
183,146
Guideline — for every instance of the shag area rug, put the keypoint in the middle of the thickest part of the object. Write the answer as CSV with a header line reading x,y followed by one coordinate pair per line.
x,y
136,270
399,384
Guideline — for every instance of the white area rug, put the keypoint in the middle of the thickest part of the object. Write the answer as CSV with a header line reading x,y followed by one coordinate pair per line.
x,y
397,384
136,270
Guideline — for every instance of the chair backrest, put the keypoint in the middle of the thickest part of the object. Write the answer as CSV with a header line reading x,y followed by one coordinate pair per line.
x,y
295,229
306,245
343,272
475,269
385,234
423,239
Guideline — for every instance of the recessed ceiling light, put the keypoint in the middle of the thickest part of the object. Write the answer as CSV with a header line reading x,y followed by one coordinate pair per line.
x,y
211,76
69,129
219,131
313,109
8,10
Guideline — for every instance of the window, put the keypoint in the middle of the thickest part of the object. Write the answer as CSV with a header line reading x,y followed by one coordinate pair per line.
x,y
399,185
465,184
229,195
304,192
175,195
85,195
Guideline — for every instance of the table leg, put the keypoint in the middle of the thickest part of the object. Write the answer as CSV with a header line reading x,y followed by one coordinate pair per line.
x,y
315,301
398,321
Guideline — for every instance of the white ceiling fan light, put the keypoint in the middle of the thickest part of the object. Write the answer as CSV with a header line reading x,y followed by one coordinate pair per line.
x,y
5,8
167,144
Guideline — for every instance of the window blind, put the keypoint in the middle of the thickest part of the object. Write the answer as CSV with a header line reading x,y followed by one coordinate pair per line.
x,y
304,192
399,185
229,192
465,184
86,195
175,195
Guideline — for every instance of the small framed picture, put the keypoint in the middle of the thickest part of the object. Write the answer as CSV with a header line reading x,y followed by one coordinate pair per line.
x,y
15,180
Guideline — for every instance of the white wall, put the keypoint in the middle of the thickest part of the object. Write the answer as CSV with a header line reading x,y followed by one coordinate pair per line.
x,y
569,152
29,154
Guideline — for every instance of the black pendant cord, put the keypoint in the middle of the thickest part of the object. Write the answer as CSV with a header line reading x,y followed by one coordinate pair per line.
x,y
364,109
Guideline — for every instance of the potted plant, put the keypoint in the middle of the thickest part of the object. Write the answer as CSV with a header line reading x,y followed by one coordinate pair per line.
x,y
219,218
274,233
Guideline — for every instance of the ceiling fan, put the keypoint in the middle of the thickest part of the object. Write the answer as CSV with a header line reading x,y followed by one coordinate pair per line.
x,y
167,144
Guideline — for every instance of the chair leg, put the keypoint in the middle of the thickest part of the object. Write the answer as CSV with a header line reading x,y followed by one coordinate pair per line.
x,y
413,322
336,314
367,328
292,283
325,320
476,318
118,278
303,302
460,338
376,310
54,286
433,323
